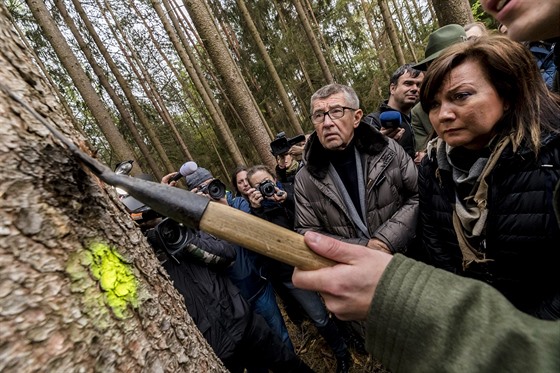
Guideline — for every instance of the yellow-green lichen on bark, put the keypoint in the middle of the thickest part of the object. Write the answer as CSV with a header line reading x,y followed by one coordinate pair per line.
x,y
110,271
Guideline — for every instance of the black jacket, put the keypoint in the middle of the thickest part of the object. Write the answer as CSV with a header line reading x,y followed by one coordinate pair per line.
x,y
522,232
407,140
215,304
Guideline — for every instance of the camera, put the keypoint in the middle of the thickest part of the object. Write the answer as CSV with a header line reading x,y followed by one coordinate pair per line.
x,y
215,189
282,144
170,237
174,240
268,189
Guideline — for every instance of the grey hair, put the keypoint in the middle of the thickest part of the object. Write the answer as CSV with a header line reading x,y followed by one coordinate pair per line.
x,y
350,95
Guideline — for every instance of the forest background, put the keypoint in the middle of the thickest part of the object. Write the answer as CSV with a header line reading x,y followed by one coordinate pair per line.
x,y
162,82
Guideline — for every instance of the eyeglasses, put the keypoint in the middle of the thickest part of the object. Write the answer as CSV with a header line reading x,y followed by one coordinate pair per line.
x,y
318,117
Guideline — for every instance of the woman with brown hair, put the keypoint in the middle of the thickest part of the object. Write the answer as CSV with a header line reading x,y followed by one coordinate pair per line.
x,y
486,184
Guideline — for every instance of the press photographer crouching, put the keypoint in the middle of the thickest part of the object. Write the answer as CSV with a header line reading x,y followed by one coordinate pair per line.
x,y
197,264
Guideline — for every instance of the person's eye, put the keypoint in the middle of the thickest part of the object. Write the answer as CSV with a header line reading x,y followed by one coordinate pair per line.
x,y
460,96
318,115
337,111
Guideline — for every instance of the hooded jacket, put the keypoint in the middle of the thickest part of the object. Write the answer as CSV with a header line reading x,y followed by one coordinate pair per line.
x,y
391,192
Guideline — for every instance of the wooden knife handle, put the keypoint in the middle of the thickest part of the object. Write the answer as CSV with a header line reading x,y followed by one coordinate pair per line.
x,y
260,236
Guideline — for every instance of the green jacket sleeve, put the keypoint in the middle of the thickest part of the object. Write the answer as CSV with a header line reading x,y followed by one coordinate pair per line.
x,y
424,319
421,127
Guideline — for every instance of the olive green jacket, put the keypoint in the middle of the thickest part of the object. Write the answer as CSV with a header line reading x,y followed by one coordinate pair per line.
x,y
424,319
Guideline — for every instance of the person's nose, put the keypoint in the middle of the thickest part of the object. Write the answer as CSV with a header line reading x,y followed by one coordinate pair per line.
x,y
446,113
328,121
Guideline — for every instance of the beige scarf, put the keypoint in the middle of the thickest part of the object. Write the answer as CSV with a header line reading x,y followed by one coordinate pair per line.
x,y
469,218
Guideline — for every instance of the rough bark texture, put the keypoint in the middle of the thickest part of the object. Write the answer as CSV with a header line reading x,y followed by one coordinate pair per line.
x,y
453,11
60,310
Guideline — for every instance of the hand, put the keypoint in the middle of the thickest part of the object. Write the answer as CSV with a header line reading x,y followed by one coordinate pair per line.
x,y
165,179
394,133
279,195
418,157
377,244
348,287
255,198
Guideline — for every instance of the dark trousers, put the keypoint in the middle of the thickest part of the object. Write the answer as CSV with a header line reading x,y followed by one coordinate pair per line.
x,y
261,347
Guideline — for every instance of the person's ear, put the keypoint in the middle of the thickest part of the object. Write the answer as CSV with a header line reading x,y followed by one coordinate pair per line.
x,y
358,117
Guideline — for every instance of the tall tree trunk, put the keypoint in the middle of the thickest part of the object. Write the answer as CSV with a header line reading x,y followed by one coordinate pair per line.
x,y
313,41
124,85
290,113
404,28
369,15
284,25
231,76
118,144
187,57
146,80
123,111
391,32
453,11
57,221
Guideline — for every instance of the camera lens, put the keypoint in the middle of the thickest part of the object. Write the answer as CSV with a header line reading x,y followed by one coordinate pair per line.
x,y
267,188
172,234
216,189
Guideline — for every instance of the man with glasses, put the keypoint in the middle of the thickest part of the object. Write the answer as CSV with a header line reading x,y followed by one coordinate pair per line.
x,y
357,185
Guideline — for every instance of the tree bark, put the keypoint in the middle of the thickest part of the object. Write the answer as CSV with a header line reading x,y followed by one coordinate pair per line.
x,y
60,310
453,11
118,144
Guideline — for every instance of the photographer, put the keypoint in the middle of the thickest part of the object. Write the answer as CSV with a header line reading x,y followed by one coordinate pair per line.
x,y
288,158
269,202
198,268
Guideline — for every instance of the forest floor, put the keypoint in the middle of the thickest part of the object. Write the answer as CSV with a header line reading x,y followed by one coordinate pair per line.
x,y
313,349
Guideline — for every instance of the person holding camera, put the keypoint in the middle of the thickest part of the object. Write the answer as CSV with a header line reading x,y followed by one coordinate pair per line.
x,y
270,202
246,272
198,266
286,151
404,93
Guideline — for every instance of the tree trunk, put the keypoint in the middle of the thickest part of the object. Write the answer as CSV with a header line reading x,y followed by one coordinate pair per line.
x,y
453,11
187,57
124,85
290,113
392,32
60,311
118,144
231,76
404,28
102,76
147,82
313,41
